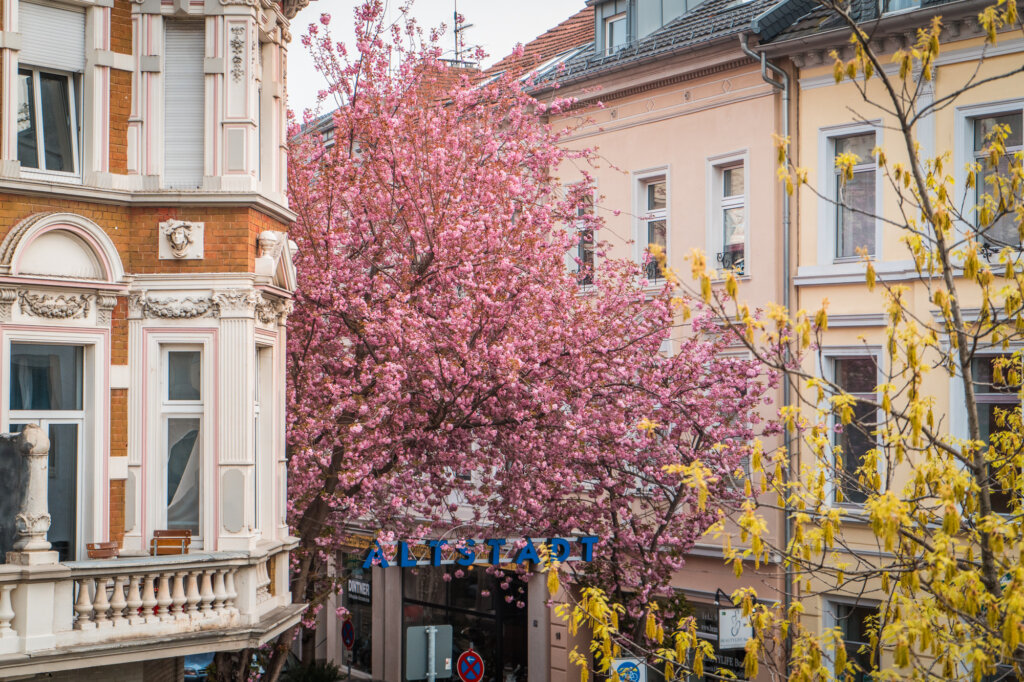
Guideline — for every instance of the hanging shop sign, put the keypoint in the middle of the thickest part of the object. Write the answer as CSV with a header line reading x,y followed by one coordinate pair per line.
x,y
493,551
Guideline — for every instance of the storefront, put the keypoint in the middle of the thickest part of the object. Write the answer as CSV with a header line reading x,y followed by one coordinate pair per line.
x,y
487,612
358,600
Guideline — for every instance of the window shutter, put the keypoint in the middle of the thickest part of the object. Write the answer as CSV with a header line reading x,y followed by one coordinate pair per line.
x,y
52,37
184,49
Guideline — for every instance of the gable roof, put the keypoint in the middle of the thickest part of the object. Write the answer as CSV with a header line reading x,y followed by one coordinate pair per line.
x,y
709,22
796,19
574,32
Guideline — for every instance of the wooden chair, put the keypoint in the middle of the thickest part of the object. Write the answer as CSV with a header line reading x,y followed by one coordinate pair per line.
x,y
166,542
102,550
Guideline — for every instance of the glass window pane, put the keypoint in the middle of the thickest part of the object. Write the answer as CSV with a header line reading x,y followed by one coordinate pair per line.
x,y
983,369
855,439
734,238
856,375
854,622
616,30
1002,232
861,145
732,182
62,488
28,154
46,377
656,196
56,105
184,375
984,126
656,234
183,460
855,215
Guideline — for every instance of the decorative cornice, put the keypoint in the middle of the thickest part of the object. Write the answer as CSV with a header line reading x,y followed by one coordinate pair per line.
x,y
58,307
7,299
662,82
236,301
271,311
105,308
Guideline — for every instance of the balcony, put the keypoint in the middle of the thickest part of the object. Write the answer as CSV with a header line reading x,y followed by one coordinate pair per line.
x,y
57,616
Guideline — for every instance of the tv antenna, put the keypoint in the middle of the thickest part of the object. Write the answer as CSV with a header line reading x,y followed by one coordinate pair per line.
x,y
458,28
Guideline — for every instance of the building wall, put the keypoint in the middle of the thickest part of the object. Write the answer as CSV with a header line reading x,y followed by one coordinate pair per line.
x,y
856,317
713,109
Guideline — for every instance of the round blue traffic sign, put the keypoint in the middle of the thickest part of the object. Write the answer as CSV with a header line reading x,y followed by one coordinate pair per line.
x,y
470,666
348,634
629,672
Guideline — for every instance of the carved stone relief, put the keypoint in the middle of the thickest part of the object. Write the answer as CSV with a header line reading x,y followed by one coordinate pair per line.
x,y
171,307
272,311
54,307
181,240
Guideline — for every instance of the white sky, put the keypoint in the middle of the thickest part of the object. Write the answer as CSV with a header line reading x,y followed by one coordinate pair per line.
x,y
497,26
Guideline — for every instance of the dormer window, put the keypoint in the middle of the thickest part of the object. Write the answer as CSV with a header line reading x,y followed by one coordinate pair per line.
x,y
614,33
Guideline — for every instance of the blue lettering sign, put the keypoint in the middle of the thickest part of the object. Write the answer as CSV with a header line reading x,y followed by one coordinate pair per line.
x,y
527,553
559,549
377,553
495,546
468,557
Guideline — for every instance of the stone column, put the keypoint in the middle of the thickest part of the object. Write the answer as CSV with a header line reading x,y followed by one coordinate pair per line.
x,y
33,519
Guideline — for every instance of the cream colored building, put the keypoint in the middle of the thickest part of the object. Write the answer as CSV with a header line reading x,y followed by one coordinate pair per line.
x,y
831,118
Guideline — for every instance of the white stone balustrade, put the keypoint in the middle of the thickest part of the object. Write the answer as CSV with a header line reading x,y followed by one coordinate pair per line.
x,y
99,602
133,599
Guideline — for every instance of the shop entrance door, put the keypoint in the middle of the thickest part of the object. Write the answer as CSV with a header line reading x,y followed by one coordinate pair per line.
x,y
477,606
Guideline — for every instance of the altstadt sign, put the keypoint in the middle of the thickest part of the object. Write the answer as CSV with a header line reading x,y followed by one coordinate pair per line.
x,y
469,552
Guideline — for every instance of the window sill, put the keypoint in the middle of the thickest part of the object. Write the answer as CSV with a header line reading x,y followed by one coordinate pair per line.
x,y
853,272
51,176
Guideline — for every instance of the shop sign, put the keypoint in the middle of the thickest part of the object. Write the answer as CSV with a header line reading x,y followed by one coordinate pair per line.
x,y
733,629
469,552
630,669
359,590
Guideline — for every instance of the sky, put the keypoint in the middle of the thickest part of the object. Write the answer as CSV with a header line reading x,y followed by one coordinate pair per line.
x,y
497,26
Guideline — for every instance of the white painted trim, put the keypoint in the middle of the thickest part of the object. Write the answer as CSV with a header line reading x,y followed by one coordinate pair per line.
x,y
963,146
714,230
826,186
152,486
965,54
93,488
857,320
825,371
638,179
853,272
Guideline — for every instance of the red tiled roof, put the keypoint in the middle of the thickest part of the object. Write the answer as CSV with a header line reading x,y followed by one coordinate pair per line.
x,y
573,32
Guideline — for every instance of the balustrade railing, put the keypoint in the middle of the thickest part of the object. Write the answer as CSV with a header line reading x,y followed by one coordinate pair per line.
x,y
144,597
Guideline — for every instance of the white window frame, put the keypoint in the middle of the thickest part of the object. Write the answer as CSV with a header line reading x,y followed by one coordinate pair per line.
x,y
884,7
831,620
76,123
610,49
826,370
964,145
641,179
263,444
717,204
957,392
183,409
153,494
827,208
92,506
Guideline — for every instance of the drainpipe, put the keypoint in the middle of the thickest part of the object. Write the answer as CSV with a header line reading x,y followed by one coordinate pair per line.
x,y
781,84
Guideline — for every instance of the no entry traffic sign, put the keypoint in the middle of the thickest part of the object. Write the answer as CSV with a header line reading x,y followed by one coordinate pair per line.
x,y
470,666
348,634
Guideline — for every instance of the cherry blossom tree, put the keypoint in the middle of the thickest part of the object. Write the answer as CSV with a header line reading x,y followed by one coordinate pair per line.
x,y
446,368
